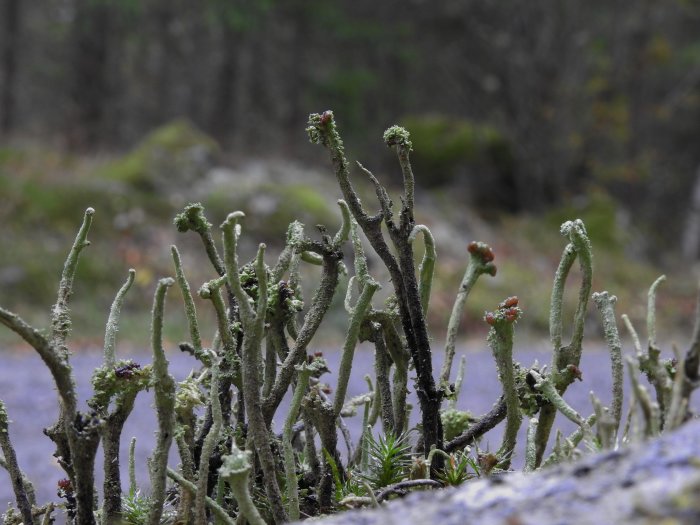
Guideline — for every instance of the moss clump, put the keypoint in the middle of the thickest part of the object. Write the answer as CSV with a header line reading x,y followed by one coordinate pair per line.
x,y
599,212
177,153
455,422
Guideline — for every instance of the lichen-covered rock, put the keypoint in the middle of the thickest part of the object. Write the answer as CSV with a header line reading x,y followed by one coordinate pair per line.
x,y
649,483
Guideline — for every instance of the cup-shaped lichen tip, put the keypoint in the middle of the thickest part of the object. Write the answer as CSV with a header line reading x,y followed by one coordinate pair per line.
x,y
235,463
192,218
398,136
507,312
318,124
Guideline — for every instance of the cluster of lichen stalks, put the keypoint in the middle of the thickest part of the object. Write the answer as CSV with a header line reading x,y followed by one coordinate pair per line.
x,y
229,452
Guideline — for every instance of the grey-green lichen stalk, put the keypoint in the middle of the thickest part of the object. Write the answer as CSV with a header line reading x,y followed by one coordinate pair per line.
x,y
113,320
253,321
235,471
500,339
164,388
480,262
606,305
305,371
565,359
16,477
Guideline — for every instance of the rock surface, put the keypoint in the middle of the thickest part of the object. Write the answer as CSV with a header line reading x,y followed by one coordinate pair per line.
x,y
655,482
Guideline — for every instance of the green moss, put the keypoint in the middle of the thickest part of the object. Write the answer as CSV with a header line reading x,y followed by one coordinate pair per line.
x,y
455,422
282,205
598,210
175,152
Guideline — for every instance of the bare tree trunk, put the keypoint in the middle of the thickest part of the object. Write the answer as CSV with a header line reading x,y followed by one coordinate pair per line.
x,y
89,89
10,22
691,231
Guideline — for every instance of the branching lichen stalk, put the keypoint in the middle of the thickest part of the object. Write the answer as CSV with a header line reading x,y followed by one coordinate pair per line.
x,y
565,359
650,409
320,303
322,130
546,387
217,509
253,321
16,477
304,373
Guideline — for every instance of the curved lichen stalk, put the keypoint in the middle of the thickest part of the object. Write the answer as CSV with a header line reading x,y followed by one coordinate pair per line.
x,y
190,308
164,388
113,321
565,359
427,265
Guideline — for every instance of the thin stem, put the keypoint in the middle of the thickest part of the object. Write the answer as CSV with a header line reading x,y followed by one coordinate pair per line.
x,y
113,321
530,448
190,308
651,312
359,312
16,476
427,265
304,373
480,262
60,313
633,334
217,509
692,357
210,443
545,385
483,425
132,467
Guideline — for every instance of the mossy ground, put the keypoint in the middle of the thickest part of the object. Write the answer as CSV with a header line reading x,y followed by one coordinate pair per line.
x,y
45,192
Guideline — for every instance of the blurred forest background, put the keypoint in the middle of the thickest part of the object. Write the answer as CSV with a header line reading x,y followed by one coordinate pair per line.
x,y
523,114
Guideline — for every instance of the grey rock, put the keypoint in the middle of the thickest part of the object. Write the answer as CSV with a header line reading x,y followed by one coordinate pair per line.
x,y
650,483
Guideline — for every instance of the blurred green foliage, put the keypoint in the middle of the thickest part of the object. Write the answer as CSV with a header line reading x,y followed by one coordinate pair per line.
x,y
444,146
174,153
